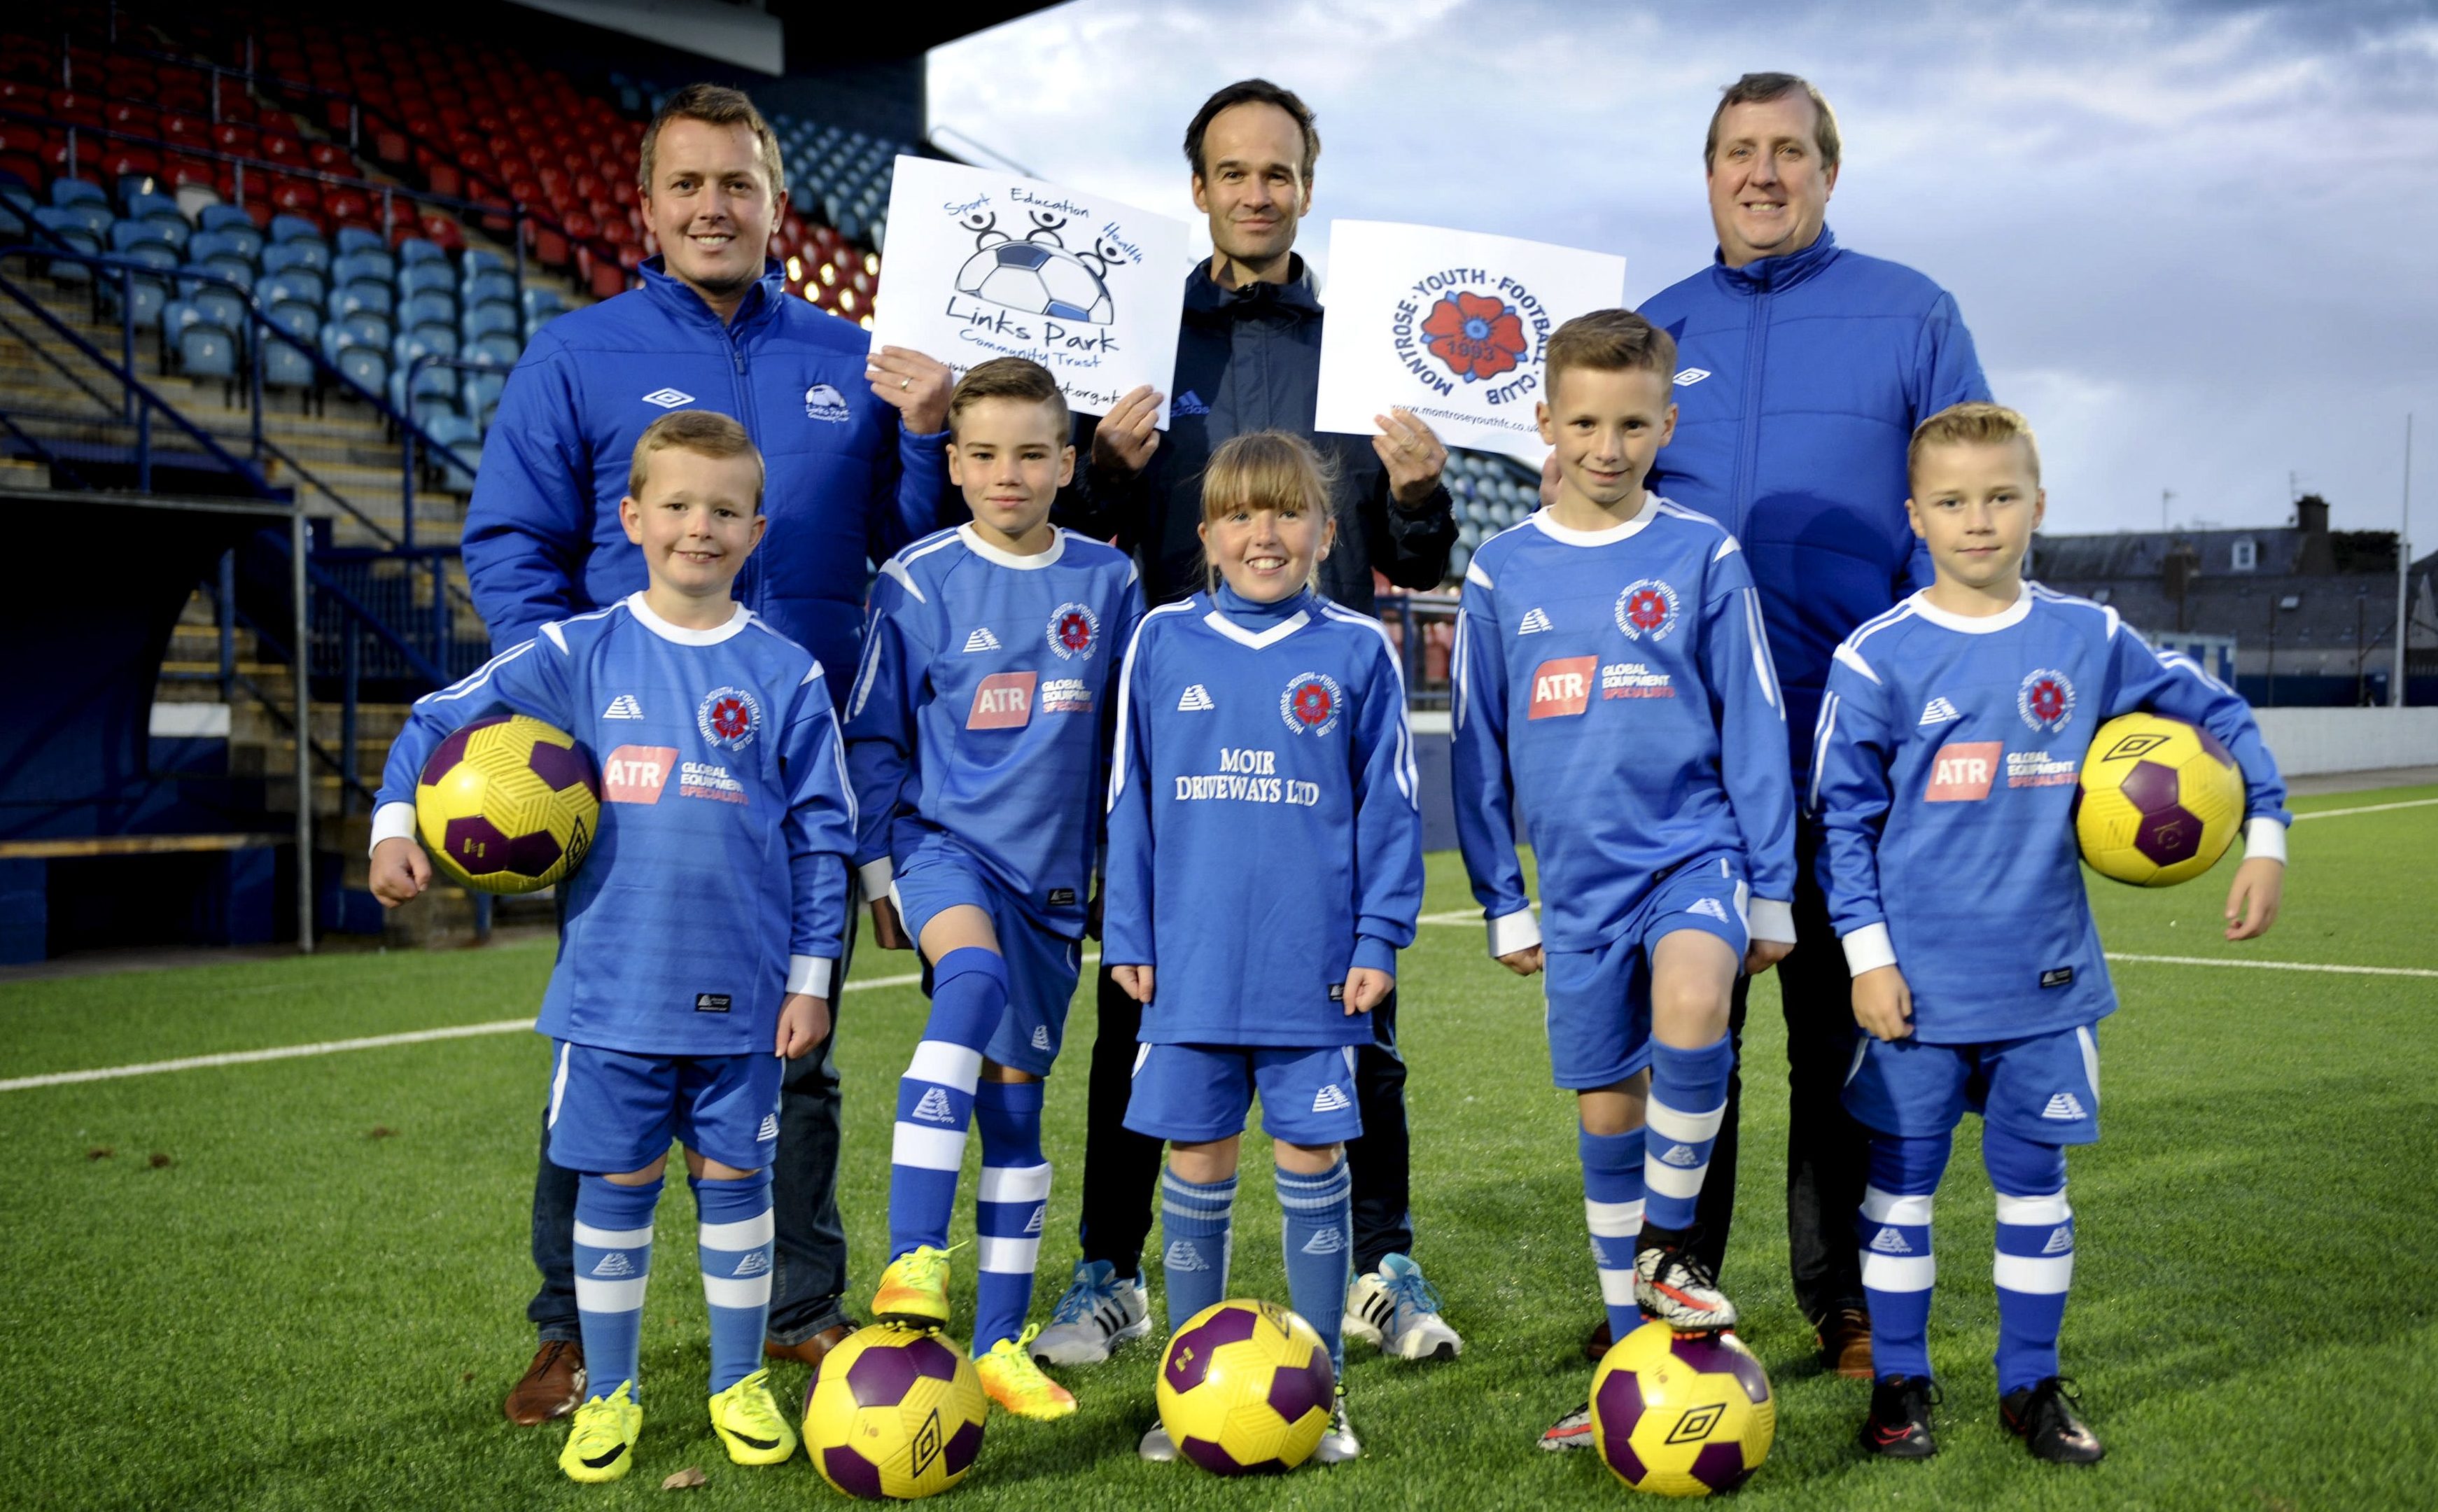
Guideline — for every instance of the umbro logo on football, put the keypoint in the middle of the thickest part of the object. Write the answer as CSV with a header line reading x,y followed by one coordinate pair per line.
x,y
1535,621
1939,712
2061,1239
1328,1240
1888,1242
668,398
1331,1098
615,1263
934,1107
1196,699
754,1263
769,1128
2065,1107
623,707
1189,402
1681,1157
982,640
1183,1257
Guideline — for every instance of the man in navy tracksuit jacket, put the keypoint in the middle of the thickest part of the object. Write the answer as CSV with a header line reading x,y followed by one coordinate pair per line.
x,y
1249,359
1802,370
854,443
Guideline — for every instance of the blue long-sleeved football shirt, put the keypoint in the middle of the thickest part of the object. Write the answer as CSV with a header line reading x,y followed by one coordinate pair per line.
x,y
982,707
1949,752
717,880
1264,833
1617,684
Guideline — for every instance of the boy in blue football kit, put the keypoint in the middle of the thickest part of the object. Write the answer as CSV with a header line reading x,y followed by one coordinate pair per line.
x,y
977,737
699,937
1949,745
1611,678
1264,867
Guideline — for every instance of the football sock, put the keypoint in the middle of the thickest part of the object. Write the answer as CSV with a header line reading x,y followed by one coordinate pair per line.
x,y
935,1097
2034,1264
614,1260
1893,1232
1319,1243
1009,1209
734,1246
1613,1205
1195,1219
1688,1100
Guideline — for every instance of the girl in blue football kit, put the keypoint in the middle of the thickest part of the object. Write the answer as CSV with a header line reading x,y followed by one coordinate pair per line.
x,y
1264,867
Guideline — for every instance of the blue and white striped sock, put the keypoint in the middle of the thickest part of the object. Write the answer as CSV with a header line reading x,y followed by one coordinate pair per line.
x,y
1009,1209
935,1097
1317,1234
1195,1219
1688,1100
734,1245
613,1260
1612,1200
2035,1263
1898,1265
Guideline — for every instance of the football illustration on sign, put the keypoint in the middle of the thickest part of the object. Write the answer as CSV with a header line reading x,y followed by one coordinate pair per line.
x,y
1038,274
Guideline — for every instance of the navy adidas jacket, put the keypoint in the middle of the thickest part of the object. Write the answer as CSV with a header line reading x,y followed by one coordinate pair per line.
x,y
543,537
1799,381
1249,359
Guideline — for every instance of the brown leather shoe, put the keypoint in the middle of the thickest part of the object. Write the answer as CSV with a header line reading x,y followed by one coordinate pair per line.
x,y
1595,1345
552,1385
1846,1343
810,1351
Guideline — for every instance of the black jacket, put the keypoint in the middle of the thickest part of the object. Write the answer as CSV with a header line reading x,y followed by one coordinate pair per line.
x,y
1249,359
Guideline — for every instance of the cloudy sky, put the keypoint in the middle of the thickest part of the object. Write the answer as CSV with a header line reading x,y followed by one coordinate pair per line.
x,y
2197,244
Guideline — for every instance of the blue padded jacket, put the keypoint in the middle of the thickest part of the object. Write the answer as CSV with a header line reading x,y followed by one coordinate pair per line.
x,y
845,484
1799,380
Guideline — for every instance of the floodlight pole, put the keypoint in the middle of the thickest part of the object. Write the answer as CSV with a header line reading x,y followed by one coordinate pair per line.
x,y
302,631
2403,572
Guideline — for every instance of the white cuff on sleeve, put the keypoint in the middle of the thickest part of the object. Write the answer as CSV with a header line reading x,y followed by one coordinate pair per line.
x,y
1768,918
1511,932
2264,839
875,875
809,973
391,821
1868,949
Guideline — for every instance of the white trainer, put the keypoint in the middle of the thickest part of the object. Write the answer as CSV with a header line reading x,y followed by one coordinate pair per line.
x,y
1157,1446
1339,1444
1099,1311
1396,1311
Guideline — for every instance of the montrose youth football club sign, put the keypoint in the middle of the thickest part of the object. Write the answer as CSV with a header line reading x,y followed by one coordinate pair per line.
x,y
983,264
1452,326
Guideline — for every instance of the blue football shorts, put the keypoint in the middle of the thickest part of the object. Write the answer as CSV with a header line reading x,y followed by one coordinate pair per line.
x,y
2044,1089
1188,1094
1042,966
1599,999
613,1113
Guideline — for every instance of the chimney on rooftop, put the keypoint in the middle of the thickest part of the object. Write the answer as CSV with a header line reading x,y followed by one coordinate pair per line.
x,y
2311,515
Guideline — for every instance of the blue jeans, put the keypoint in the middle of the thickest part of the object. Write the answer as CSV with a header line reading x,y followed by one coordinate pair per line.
x,y
809,1273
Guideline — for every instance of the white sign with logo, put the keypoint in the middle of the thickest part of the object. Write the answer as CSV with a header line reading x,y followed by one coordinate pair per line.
x,y
1451,324
983,264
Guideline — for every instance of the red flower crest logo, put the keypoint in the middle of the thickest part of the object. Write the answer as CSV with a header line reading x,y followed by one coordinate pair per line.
x,y
1647,609
1312,703
1477,336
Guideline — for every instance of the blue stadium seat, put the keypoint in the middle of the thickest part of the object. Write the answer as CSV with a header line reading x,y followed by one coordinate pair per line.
x,y
65,193
359,238
480,392
415,251
427,310
295,228
172,233
229,218
496,351
295,317
223,252
364,361
238,274
285,367
429,279
461,436
292,282
489,320
151,205
482,260
91,216
149,297
367,264
73,229
206,351
361,295
301,252
214,305
486,288
362,329
429,382
17,203
441,339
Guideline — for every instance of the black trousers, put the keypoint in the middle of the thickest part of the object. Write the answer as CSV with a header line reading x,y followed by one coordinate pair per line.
x,y
1121,1167
1828,1154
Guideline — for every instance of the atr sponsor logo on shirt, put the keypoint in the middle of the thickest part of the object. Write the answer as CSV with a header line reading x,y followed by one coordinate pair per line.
x,y
728,717
709,779
1562,687
1634,679
1195,699
2036,768
1066,695
1535,621
1247,776
1647,608
1074,630
623,707
637,774
1939,712
1962,772
1311,703
822,402
1003,701
2045,700
982,640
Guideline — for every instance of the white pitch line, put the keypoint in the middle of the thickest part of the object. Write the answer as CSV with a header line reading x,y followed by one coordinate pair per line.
x,y
370,1041
2272,965
2366,808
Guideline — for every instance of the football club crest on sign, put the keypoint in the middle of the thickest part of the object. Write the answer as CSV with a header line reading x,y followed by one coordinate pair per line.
x,y
1074,630
1647,608
1309,705
1476,336
2045,700
728,717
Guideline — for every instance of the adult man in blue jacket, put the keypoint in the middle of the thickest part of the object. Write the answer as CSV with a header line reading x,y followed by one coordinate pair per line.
x,y
855,445
1802,370
1249,359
